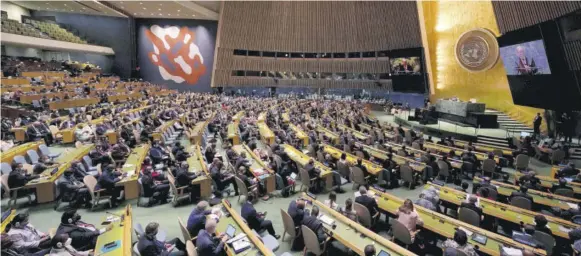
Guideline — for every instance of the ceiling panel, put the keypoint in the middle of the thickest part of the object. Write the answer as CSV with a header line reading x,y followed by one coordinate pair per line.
x,y
205,10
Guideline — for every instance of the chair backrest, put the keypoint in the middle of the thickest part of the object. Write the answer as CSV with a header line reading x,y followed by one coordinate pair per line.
x,y
565,192
311,240
32,156
136,250
287,221
360,154
522,161
493,194
320,157
242,189
88,162
558,155
454,251
406,173
19,159
190,249
346,148
343,169
416,145
521,202
90,182
184,230
4,181
305,179
358,176
443,166
401,152
44,150
488,165
400,232
363,214
547,240
469,216
6,168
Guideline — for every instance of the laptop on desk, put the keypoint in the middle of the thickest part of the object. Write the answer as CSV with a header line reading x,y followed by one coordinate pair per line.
x,y
524,238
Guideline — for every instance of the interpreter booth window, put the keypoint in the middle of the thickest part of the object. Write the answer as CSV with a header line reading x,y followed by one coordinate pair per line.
x,y
272,74
237,72
339,55
310,55
254,53
384,76
325,55
382,54
352,55
297,55
252,73
327,76
269,54
339,76
368,54
282,54
240,52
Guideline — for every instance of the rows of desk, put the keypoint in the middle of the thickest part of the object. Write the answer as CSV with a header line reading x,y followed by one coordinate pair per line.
x,y
72,103
334,137
484,148
446,226
539,197
197,165
20,150
301,135
548,182
302,159
258,168
132,168
357,134
400,160
336,153
352,234
559,227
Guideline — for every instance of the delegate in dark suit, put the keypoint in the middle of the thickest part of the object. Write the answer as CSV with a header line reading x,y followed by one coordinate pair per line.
x,y
255,220
522,194
368,202
209,245
316,226
296,212
149,246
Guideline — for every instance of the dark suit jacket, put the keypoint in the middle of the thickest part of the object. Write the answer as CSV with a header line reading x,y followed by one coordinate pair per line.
x,y
16,179
296,213
183,177
316,226
472,207
107,180
207,245
83,239
251,216
518,193
151,247
313,173
368,202
68,188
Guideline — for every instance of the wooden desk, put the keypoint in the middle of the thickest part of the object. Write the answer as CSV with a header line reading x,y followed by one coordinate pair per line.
x,y
238,116
27,99
72,103
238,223
121,233
331,135
418,154
132,167
483,148
349,233
234,133
124,97
197,134
45,184
300,134
357,134
261,117
20,150
19,133
374,169
198,165
542,198
15,81
302,159
268,177
447,149
157,135
7,220
446,226
285,117
266,135
547,182
559,227
400,160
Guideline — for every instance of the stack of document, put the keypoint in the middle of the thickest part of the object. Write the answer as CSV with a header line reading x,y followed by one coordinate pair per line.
x,y
241,245
326,219
511,251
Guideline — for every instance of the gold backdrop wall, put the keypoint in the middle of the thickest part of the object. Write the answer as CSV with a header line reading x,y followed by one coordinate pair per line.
x,y
444,22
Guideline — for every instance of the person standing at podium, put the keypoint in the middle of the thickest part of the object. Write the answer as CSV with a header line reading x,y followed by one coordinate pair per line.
x,y
537,125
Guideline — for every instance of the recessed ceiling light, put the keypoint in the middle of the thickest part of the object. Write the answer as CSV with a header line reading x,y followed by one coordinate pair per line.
x,y
47,3
65,4
179,10
160,14
159,9
168,14
122,7
178,14
84,8
160,4
134,13
144,8
193,15
47,8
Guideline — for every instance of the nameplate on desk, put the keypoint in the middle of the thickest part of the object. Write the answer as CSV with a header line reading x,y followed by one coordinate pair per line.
x,y
109,247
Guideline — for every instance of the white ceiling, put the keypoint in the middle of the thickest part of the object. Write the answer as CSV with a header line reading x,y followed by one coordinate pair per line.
x,y
205,10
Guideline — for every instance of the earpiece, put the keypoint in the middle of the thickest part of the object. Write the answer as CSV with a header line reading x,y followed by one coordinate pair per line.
x,y
59,244
70,221
17,224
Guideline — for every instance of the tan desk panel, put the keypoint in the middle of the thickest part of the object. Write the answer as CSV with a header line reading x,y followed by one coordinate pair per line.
x,y
301,159
269,181
197,163
400,160
266,134
121,231
300,134
547,182
506,212
336,153
133,164
483,148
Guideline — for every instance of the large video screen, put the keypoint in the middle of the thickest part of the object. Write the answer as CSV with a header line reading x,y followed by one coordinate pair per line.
x,y
527,58
405,66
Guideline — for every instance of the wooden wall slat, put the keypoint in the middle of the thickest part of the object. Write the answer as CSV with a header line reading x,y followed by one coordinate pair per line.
x,y
514,15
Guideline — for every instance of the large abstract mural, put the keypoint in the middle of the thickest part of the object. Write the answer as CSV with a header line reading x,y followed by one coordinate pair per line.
x,y
176,53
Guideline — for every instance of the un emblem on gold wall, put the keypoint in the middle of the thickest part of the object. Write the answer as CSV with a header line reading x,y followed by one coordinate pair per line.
x,y
477,50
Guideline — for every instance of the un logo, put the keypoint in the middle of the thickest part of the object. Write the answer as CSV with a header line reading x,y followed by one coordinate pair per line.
x,y
477,50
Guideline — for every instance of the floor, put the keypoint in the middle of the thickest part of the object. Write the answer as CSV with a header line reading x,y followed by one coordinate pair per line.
x,y
43,217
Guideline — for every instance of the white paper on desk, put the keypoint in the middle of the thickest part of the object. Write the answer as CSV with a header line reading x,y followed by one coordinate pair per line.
x,y
130,173
236,238
468,232
128,165
326,219
293,176
564,229
241,244
512,251
574,206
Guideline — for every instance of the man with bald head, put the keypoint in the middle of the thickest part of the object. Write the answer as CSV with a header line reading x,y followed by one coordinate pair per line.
x,y
197,219
296,210
209,244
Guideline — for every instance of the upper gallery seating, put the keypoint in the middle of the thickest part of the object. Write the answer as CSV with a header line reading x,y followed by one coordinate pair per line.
x,y
55,31
15,27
